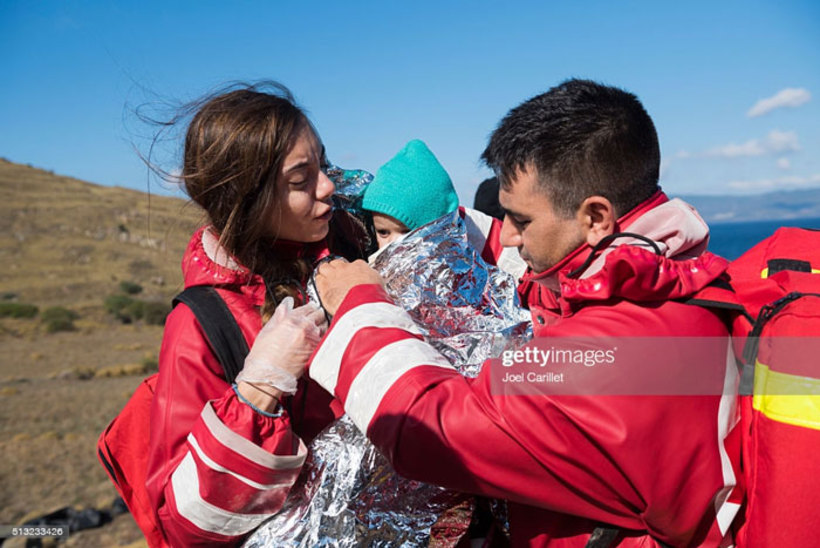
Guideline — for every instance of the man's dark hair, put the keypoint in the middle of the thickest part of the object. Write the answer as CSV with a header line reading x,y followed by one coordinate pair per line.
x,y
584,139
486,198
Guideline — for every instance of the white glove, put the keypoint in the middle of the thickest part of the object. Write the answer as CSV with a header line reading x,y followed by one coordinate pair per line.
x,y
284,345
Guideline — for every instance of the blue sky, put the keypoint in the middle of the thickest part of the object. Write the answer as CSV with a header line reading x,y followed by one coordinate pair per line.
x,y
374,75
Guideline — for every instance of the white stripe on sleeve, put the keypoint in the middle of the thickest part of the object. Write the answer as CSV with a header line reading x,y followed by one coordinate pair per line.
x,y
247,448
328,359
203,514
381,371
216,467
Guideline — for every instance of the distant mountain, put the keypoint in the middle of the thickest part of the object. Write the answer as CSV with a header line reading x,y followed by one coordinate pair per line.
x,y
773,206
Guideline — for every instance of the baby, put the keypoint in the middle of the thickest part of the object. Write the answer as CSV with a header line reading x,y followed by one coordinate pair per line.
x,y
413,189
407,192
348,493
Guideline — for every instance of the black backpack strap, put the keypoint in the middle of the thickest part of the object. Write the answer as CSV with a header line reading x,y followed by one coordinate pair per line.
x,y
766,314
219,325
720,295
603,537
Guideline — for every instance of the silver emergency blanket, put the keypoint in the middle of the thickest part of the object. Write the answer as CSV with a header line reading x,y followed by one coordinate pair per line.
x,y
350,185
466,308
347,494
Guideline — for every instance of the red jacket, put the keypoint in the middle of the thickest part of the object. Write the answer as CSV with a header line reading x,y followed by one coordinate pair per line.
x,y
217,469
657,464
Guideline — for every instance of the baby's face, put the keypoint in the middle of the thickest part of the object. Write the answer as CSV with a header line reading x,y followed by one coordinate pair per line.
x,y
388,229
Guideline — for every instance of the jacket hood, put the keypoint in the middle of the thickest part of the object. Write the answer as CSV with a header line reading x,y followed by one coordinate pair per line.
x,y
206,263
630,268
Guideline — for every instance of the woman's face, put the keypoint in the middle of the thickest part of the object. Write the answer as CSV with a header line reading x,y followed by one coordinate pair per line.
x,y
303,191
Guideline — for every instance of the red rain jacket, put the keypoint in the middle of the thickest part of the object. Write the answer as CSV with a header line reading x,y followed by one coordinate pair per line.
x,y
656,466
216,468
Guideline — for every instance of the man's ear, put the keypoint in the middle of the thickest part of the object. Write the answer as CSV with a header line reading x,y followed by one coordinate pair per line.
x,y
597,217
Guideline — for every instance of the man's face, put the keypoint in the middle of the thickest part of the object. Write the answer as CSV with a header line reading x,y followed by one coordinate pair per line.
x,y
531,224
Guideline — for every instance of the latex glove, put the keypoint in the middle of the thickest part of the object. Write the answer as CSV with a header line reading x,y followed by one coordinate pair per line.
x,y
281,350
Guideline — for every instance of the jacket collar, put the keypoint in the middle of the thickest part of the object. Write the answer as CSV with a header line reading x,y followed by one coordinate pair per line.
x,y
630,268
577,257
206,263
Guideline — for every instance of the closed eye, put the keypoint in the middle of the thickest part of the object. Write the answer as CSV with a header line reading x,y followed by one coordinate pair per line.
x,y
520,223
302,176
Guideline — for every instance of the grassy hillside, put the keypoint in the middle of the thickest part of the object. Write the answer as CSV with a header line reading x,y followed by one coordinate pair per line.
x,y
64,241
67,243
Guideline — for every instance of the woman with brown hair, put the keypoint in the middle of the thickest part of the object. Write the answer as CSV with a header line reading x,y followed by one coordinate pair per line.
x,y
223,457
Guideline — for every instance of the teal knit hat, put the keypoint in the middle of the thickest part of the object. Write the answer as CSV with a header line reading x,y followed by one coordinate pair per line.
x,y
412,187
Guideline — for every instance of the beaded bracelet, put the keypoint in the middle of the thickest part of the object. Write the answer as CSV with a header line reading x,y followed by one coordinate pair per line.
x,y
247,402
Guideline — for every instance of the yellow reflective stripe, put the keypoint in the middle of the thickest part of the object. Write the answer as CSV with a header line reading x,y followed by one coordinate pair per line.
x,y
765,272
791,399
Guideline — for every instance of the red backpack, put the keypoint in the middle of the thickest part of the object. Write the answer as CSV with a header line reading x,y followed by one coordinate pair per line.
x,y
775,293
122,445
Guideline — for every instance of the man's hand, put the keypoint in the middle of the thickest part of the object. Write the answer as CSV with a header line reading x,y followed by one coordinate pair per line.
x,y
335,279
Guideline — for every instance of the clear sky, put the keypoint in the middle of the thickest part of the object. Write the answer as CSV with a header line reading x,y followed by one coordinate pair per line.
x,y
733,87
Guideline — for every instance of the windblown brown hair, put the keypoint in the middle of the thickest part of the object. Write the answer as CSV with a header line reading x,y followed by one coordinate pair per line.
x,y
234,148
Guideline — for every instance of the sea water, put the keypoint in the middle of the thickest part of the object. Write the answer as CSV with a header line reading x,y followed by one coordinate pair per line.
x,y
731,240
